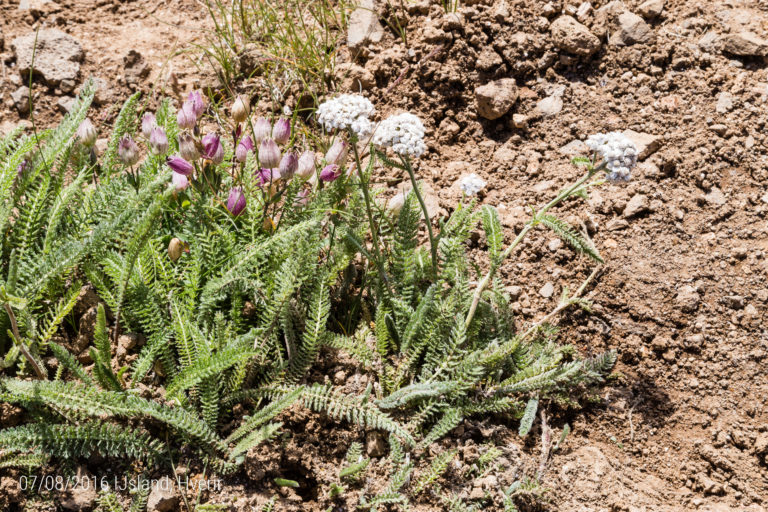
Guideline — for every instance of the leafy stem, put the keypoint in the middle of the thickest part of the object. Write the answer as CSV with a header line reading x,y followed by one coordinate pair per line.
x,y
537,215
432,241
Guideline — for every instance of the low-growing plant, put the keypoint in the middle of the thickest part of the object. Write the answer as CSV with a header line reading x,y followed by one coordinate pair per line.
x,y
239,256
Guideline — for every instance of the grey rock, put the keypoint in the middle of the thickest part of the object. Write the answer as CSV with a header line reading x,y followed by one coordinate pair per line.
x,y
637,205
65,104
20,99
724,103
651,9
102,92
364,27
574,148
646,143
135,67
81,497
745,44
734,301
57,55
163,496
632,29
715,197
550,106
494,99
571,36
719,129
547,290
688,299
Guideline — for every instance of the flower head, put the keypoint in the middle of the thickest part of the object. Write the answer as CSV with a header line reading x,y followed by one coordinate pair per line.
x,y
148,123
281,132
288,166
337,153
195,99
158,141
212,148
236,201
617,151
330,172
243,147
261,129
404,133
185,117
179,165
471,184
86,133
128,151
240,109
348,111
306,164
269,153
188,147
179,181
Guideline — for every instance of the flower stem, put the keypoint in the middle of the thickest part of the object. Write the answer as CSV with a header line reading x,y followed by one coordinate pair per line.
x,y
22,348
483,284
432,241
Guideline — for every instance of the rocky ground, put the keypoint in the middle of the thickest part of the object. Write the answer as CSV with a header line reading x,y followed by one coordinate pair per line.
x,y
508,89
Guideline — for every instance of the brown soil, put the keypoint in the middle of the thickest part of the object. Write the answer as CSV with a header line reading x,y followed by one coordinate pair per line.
x,y
682,298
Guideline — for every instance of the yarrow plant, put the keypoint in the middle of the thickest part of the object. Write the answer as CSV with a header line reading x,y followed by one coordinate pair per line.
x,y
347,112
404,133
617,151
472,184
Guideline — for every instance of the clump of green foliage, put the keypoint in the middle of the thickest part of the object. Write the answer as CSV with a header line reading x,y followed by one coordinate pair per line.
x,y
236,304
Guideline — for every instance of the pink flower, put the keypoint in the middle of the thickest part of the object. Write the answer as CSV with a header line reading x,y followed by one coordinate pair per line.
x,y
245,145
185,117
261,129
179,165
148,122
179,181
330,173
195,99
212,148
282,131
269,153
236,201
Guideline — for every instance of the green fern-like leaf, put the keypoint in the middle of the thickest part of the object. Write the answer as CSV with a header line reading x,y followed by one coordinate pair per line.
x,y
571,236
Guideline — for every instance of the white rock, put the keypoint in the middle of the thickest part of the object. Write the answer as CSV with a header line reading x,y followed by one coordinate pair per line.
x,y
364,27
550,106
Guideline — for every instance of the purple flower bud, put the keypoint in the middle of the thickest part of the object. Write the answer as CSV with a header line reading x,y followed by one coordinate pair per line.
x,y
179,165
236,201
330,172
306,164
282,131
265,176
240,109
148,123
179,181
245,145
22,168
288,166
261,129
188,147
337,154
86,133
185,117
158,141
195,98
212,148
269,153
128,151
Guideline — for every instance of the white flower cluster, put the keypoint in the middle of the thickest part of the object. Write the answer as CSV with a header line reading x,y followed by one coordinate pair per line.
x,y
618,152
404,133
472,184
347,111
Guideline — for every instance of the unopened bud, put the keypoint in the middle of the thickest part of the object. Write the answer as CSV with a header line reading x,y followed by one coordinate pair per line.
x,y
269,153
86,133
282,131
128,151
306,166
241,108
